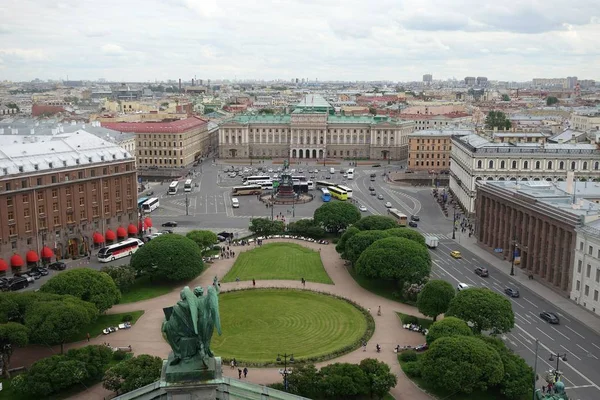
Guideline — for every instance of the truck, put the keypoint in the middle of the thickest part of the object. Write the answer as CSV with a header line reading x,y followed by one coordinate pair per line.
x,y
432,241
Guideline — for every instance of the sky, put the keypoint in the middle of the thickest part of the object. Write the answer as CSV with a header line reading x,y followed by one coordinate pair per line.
x,y
396,40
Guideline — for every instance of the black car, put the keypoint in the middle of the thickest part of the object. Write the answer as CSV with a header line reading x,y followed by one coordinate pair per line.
x,y
373,194
167,231
17,283
328,177
371,189
549,317
58,266
483,272
376,165
415,218
169,224
41,270
36,275
412,224
512,292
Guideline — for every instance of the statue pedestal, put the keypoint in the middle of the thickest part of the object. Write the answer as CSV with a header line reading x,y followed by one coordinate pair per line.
x,y
190,380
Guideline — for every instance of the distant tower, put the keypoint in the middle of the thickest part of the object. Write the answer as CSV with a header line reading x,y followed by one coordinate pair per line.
x,y
427,79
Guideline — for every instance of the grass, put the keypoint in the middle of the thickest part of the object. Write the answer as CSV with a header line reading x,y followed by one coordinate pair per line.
x,y
381,288
144,289
424,322
104,321
259,324
279,261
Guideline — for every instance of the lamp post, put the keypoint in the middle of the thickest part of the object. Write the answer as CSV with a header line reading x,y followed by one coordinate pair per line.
x,y
558,357
454,224
514,253
537,344
285,372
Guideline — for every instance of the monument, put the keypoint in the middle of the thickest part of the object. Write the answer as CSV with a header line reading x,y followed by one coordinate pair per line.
x,y
285,189
559,393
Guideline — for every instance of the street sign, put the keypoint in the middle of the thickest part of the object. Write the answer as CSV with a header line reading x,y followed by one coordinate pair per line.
x,y
498,250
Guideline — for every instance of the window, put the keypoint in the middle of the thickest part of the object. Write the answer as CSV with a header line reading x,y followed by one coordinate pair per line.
x,y
502,164
40,196
573,164
595,295
577,285
9,201
11,215
41,209
584,165
590,250
69,203
38,181
549,164
68,191
25,198
106,208
579,265
12,230
23,183
526,165
514,165
587,290
491,164
26,212
580,246
537,165
597,275
82,214
54,206
479,164
561,165
80,188
27,226
81,201
80,175
588,271
54,193
95,211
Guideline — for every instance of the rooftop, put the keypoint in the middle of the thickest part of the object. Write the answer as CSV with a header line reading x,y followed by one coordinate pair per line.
x,y
179,126
441,132
479,143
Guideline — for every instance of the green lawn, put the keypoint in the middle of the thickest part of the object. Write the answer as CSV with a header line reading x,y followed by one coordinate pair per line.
x,y
104,321
278,261
381,288
259,324
144,289
424,322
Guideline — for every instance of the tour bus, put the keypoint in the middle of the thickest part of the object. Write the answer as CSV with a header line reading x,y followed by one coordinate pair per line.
x,y
325,195
350,173
267,185
300,178
338,193
247,190
251,180
322,184
346,189
398,216
150,205
123,249
187,186
173,187
141,201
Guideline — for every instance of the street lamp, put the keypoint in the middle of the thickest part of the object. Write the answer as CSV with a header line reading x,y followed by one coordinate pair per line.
x,y
514,254
454,224
285,371
558,357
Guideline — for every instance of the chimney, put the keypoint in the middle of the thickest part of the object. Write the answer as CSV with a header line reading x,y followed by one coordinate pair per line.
x,y
570,177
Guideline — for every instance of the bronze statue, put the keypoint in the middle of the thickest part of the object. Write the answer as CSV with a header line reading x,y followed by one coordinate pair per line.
x,y
559,393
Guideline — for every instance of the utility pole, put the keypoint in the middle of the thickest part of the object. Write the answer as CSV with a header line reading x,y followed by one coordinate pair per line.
x,y
187,205
514,254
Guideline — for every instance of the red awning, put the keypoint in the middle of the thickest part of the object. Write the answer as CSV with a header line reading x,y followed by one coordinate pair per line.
x,y
16,261
110,235
147,222
132,230
98,238
121,232
32,257
3,265
47,252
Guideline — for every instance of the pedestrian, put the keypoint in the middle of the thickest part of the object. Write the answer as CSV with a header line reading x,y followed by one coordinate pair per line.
x,y
232,364
364,345
88,336
245,372
253,282
239,373
543,389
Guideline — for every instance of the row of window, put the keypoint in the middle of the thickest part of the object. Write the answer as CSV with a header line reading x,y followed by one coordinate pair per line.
x,y
538,165
586,290
153,136
590,250
306,131
336,140
159,161
431,141
428,163
430,156
432,148
160,152
157,144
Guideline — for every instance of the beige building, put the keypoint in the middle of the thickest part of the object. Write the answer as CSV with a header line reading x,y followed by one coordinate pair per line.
x,y
430,150
313,131
586,122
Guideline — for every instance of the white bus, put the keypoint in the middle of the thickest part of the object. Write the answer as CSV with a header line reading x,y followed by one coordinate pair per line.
x,y
398,216
300,178
350,173
252,180
345,189
187,186
150,205
119,250
267,185
173,187
311,185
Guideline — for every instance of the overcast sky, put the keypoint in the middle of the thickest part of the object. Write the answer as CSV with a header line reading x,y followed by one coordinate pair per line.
x,y
398,40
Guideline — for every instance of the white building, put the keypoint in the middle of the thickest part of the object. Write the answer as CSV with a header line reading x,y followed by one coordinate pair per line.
x,y
475,158
585,287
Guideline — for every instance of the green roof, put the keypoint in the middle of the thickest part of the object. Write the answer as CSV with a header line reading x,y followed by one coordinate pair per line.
x,y
362,119
261,119
313,103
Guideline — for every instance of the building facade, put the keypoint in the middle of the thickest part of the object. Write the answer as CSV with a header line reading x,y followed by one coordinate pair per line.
x,y
586,267
63,198
475,158
430,150
313,131
586,122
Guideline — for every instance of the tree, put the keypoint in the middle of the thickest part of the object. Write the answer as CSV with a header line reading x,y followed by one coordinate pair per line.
x,y
381,380
204,239
497,119
505,97
86,284
306,228
408,234
266,227
95,358
449,326
340,247
376,223
486,310
343,381
335,216
132,374
358,243
551,100
170,258
304,381
50,375
461,364
122,275
372,110
435,298
395,259
12,335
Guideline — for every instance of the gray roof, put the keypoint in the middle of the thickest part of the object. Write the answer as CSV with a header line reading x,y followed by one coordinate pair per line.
x,y
441,132
479,142
566,135
60,151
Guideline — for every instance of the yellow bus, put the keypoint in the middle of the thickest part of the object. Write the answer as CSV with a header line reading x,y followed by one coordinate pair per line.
x,y
338,193
398,216
247,190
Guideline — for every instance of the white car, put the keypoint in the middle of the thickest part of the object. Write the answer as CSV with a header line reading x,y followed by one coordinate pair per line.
x,y
462,286
362,208
270,170
388,205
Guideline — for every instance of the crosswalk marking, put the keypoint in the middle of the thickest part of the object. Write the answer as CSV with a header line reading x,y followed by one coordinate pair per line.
x,y
438,235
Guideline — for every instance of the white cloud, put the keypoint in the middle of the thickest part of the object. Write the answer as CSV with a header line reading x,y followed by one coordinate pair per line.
x,y
284,39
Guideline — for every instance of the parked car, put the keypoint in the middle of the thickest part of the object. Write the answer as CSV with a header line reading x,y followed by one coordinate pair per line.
x,y
550,317
455,254
167,231
328,177
376,165
36,275
169,224
462,286
512,292
58,266
29,278
415,218
483,272
412,224
362,208
42,270
17,283
380,197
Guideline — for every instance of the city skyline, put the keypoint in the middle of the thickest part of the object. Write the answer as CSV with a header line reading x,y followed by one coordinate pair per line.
x,y
392,40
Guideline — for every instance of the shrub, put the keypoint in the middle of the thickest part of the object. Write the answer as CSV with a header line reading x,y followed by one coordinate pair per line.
x,y
127,318
122,275
410,319
408,355
119,355
412,369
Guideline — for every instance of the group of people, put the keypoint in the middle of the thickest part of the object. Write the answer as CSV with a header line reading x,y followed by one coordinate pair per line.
x,y
226,253
244,371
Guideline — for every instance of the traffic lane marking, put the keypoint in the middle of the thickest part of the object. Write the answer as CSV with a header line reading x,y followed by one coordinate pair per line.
x,y
577,333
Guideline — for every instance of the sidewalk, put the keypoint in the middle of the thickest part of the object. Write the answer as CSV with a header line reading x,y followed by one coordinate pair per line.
x,y
567,306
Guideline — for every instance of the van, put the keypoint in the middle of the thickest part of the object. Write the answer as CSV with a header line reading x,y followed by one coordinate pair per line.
x,y
235,203
332,170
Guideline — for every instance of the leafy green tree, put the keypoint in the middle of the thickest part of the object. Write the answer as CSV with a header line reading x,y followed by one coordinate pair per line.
x,y
336,215
505,97
340,247
266,227
461,364
50,375
55,322
486,310
12,335
435,298
551,100
86,284
132,374
122,275
381,380
169,258
408,234
95,358
343,381
449,326
375,223
372,110
497,119
204,239
358,243
306,228
304,381
395,259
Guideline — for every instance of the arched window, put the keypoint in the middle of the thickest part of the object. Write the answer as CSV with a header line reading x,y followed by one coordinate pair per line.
x,y
491,164
514,165
596,165
526,165
549,164
561,165
479,164
573,165
537,165
502,164
585,165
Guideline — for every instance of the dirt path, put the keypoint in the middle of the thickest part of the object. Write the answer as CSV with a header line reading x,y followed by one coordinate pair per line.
x,y
145,336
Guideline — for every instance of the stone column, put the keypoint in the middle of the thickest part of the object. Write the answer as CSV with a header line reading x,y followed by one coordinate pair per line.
x,y
558,238
539,270
564,267
481,208
549,253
